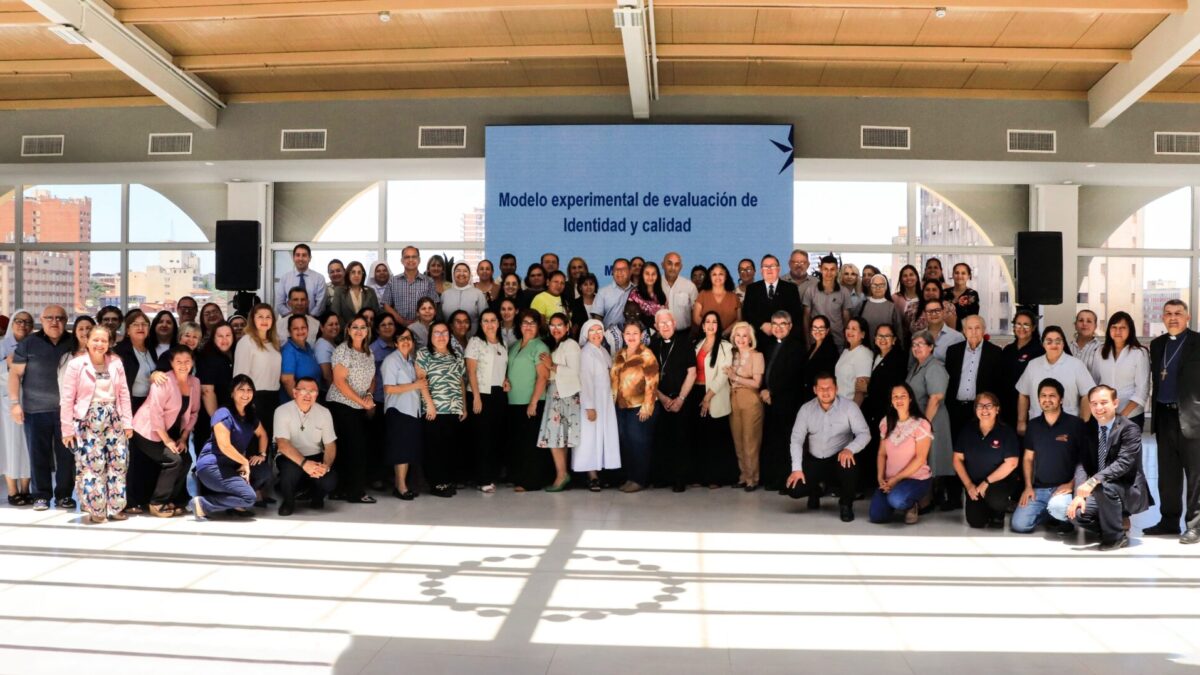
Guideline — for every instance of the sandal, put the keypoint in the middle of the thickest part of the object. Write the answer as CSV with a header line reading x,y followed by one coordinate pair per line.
x,y
363,499
134,511
594,485
97,519
120,515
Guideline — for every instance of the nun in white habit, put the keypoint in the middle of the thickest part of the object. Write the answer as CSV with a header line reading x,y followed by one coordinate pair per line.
x,y
599,447
14,458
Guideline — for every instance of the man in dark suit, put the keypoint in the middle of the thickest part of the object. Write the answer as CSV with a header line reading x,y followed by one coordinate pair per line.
x,y
1116,487
1175,372
974,366
770,295
781,393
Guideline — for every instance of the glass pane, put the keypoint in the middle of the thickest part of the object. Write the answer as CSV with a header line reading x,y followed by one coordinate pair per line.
x,y
991,277
435,210
157,279
1165,222
1139,286
326,212
155,218
851,213
81,281
68,213
887,263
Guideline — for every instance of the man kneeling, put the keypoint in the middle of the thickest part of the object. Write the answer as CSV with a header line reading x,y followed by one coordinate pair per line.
x,y
836,431
1054,445
1117,487
305,438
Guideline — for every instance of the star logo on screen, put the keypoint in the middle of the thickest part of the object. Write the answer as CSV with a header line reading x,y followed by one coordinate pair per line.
x,y
788,149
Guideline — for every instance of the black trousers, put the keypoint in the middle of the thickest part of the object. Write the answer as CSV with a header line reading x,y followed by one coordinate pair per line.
x,y
1178,470
775,458
351,462
994,503
821,473
672,459
718,461
292,478
171,471
1104,512
962,413
529,467
442,448
487,434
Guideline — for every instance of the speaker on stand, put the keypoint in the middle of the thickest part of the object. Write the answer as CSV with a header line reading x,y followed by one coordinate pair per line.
x,y
1039,257
239,261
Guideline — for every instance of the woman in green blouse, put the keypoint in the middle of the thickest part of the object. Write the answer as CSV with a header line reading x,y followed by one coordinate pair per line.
x,y
444,407
529,467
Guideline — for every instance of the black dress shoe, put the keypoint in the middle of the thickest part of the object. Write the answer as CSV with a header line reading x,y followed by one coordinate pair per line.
x,y
784,491
678,487
317,503
1190,536
407,495
1114,545
67,504
814,503
750,488
287,509
1161,530
1064,528
847,513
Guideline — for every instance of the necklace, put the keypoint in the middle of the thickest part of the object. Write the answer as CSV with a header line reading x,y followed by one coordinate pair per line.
x,y
1167,362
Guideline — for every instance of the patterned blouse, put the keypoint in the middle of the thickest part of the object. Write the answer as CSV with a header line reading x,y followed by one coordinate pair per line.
x,y
445,373
635,379
362,371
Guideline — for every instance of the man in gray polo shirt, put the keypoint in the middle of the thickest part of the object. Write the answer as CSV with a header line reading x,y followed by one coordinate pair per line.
x,y
836,431
33,380
306,441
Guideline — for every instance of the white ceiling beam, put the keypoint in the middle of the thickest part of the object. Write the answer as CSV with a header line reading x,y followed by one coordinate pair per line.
x,y
1167,47
630,19
136,55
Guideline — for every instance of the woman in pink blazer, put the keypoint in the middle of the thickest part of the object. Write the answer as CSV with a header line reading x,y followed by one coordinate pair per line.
x,y
96,421
160,432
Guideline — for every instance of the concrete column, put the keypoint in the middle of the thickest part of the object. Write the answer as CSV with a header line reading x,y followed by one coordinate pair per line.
x,y
1055,208
253,201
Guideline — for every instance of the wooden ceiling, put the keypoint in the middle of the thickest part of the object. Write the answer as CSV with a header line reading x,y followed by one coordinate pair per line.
x,y
310,49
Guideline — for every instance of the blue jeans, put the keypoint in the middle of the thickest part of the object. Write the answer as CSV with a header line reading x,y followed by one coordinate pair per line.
x,y
903,497
1043,505
637,444
48,457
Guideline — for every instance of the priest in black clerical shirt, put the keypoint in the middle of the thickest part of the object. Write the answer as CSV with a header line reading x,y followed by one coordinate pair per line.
x,y
673,446
782,393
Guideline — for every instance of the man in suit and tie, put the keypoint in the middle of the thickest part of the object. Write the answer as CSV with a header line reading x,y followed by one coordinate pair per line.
x,y
974,366
1112,459
781,393
765,297
1175,374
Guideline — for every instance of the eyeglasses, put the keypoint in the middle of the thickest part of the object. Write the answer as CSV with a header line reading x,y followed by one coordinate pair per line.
x,y
57,318
881,336
781,324
933,311
441,333
1026,326
23,322
306,392
820,329
404,338
985,406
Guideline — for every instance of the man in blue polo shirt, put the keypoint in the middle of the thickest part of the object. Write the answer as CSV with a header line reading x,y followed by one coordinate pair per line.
x,y
1054,442
33,381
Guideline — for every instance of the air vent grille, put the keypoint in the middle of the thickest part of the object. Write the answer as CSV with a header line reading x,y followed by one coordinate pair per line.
x,y
886,138
43,146
441,138
302,140
170,144
1027,140
1176,143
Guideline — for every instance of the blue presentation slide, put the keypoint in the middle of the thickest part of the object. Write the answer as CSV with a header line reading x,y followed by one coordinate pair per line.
x,y
711,192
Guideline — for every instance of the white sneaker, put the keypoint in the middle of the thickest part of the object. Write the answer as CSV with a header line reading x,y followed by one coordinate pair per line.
x,y
488,489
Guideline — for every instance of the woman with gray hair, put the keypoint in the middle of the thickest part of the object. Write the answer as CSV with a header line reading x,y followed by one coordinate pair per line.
x,y
929,381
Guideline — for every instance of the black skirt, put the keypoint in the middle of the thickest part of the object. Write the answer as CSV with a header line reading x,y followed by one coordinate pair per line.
x,y
404,442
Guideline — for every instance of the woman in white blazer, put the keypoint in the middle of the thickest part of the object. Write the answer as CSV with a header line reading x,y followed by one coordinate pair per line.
x,y
718,462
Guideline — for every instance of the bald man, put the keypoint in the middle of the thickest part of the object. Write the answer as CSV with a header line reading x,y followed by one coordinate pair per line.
x,y
33,381
681,292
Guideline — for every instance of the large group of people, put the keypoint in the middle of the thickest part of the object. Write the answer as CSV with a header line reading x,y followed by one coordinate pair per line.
x,y
806,384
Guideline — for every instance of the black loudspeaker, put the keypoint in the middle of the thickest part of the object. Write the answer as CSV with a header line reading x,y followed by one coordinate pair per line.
x,y
1039,268
238,255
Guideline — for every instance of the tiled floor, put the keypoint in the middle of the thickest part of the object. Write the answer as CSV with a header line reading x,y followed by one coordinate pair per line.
x,y
702,582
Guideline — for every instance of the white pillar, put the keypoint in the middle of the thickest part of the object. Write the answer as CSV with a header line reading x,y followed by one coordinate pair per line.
x,y
1055,208
253,201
